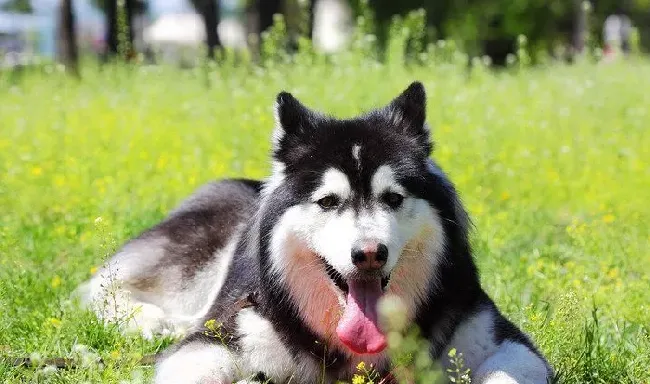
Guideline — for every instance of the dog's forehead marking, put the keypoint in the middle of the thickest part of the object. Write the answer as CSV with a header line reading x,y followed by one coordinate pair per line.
x,y
356,155
384,180
333,181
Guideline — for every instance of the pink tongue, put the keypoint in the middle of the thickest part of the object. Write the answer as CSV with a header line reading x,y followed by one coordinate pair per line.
x,y
358,328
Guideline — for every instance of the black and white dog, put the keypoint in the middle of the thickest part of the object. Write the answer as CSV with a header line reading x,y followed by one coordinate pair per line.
x,y
293,270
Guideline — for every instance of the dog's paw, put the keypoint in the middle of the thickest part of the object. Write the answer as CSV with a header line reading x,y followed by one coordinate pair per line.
x,y
197,363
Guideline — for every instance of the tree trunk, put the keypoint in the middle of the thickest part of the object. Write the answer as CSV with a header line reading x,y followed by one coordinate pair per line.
x,y
312,11
113,27
130,6
266,9
210,12
67,38
579,27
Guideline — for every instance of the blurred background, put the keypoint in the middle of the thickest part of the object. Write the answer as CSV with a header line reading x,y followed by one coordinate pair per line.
x,y
178,31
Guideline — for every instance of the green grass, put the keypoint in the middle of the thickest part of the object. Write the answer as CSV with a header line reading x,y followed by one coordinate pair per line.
x,y
553,165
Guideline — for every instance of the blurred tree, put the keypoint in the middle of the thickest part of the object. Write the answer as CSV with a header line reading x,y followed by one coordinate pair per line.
x,y
67,49
266,9
209,11
120,31
488,26
19,6
298,15
580,26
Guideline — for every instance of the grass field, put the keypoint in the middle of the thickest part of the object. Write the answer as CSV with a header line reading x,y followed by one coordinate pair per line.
x,y
553,165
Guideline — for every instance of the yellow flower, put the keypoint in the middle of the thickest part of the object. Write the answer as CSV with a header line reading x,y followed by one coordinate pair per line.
x,y
553,175
56,323
358,379
477,209
114,355
361,366
161,162
613,273
37,171
505,196
59,229
608,218
56,281
93,270
59,180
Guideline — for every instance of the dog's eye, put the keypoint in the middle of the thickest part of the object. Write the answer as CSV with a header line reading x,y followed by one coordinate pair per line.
x,y
392,199
329,202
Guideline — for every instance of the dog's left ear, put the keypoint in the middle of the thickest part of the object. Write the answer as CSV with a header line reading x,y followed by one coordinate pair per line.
x,y
408,110
292,119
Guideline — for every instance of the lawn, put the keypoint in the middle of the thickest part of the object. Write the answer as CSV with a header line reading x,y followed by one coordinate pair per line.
x,y
552,163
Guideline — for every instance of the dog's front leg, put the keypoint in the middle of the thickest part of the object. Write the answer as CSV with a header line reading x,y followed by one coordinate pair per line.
x,y
198,362
513,363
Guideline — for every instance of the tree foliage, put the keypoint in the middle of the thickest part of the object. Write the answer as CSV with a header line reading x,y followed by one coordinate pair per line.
x,y
476,24
19,6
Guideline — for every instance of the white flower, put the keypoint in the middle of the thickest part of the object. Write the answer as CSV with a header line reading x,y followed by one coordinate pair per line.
x,y
35,358
48,370
393,312
80,349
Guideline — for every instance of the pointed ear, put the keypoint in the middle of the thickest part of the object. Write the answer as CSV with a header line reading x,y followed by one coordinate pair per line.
x,y
291,118
408,110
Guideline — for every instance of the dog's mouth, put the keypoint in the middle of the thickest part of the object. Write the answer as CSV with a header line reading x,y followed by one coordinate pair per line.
x,y
336,277
358,327
342,284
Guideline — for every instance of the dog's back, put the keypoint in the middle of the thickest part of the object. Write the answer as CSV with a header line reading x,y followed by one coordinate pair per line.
x,y
174,270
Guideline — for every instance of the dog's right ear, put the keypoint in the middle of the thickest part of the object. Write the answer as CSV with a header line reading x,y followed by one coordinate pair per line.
x,y
292,119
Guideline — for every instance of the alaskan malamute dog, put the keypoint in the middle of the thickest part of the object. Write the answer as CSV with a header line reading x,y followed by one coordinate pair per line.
x,y
292,270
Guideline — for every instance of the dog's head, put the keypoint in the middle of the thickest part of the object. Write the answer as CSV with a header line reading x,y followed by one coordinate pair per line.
x,y
352,212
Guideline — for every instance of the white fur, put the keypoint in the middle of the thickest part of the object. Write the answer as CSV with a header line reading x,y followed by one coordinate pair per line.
x,y
332,234
197,363
356,155
384,181
474,338
333,182
199,294
262,350
275,180
491,363
513,363
108,295
278,131
172,305
303,273
416,268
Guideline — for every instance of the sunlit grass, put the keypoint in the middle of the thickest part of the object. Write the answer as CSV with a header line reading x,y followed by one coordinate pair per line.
x,y
553,165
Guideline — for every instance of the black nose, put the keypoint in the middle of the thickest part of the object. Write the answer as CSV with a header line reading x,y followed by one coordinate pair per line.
x,y
370,256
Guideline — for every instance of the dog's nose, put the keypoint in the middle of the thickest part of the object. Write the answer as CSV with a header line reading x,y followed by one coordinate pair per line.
x,y
370,256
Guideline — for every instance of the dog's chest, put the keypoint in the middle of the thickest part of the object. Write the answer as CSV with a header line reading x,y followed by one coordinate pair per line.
x,y
263,350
